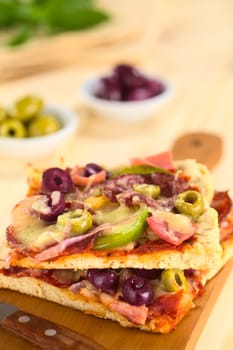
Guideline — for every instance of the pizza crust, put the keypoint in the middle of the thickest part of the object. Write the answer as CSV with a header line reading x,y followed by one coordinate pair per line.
x,y
43,290
227,246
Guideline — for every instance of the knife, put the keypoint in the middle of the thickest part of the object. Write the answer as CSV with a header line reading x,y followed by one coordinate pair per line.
x,y
43,333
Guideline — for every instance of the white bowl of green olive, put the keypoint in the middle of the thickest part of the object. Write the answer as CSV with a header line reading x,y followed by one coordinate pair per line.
x,y
32,128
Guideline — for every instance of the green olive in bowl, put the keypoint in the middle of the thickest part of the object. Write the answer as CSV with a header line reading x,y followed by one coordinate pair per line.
x,y
3,114
27,108
43,125
12,127
31,147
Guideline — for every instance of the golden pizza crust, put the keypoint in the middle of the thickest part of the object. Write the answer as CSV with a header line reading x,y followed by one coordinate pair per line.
x,y
227,246
37,288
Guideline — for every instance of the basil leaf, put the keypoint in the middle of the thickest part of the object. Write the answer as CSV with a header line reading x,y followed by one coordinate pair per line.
x,y
44,17
73,15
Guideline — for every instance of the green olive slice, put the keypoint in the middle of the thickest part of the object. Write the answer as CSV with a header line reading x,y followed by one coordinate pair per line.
x,y
173,280
190,203
152,191
79,221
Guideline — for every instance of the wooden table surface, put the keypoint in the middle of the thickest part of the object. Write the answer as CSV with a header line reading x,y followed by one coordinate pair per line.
x,y
190,43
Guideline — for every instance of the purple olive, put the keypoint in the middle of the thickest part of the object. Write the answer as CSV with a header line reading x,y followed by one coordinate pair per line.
x,y
92,169
137,290
49,206
149,274
139,94
128,76
108,88
103,279
155,87
56,179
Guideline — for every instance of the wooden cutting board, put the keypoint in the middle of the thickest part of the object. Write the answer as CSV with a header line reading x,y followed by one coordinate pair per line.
x,y
110,334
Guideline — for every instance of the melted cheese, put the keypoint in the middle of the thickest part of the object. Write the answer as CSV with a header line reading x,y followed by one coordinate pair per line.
x,y
30,230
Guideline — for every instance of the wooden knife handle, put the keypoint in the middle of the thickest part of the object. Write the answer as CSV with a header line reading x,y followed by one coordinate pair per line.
x,y
206,148
46,334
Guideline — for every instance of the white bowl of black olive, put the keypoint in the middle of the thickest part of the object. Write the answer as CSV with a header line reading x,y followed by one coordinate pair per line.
x,y
30,127
125,93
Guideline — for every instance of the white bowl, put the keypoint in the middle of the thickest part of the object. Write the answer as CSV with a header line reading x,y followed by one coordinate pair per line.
x,y
42,145
123,111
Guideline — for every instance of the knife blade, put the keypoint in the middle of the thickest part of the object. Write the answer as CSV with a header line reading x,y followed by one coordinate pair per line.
x,y
42,332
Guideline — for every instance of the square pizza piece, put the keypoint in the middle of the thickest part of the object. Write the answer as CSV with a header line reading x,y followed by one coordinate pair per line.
x,y
152,213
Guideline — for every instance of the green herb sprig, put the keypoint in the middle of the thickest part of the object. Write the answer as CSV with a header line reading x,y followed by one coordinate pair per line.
x,y
28,18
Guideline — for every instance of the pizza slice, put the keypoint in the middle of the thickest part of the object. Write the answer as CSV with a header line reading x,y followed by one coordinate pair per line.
x,y
152,213
154,300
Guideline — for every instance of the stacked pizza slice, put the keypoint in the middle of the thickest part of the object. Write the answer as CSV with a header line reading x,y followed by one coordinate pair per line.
x,y
135,244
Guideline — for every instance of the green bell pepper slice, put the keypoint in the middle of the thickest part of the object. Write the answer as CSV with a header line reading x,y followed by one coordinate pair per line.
x,y
139,170
125,232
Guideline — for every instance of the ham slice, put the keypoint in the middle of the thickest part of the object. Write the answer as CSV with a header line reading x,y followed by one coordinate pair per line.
x,y
162,230
80,180
162,160
135,314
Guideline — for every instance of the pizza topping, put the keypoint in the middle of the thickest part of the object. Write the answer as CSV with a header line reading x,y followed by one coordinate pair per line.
x,y
92,169
135,314
11,236
77,221
148,274
170,185
56,179
167,304
139,170
152,191
222,203
59,248
190,203
49,206
75,287
79,198
88,176
173,280
137,290
66,277
28,229
119,184
131,198
163,160
130,229
172,228
103,279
